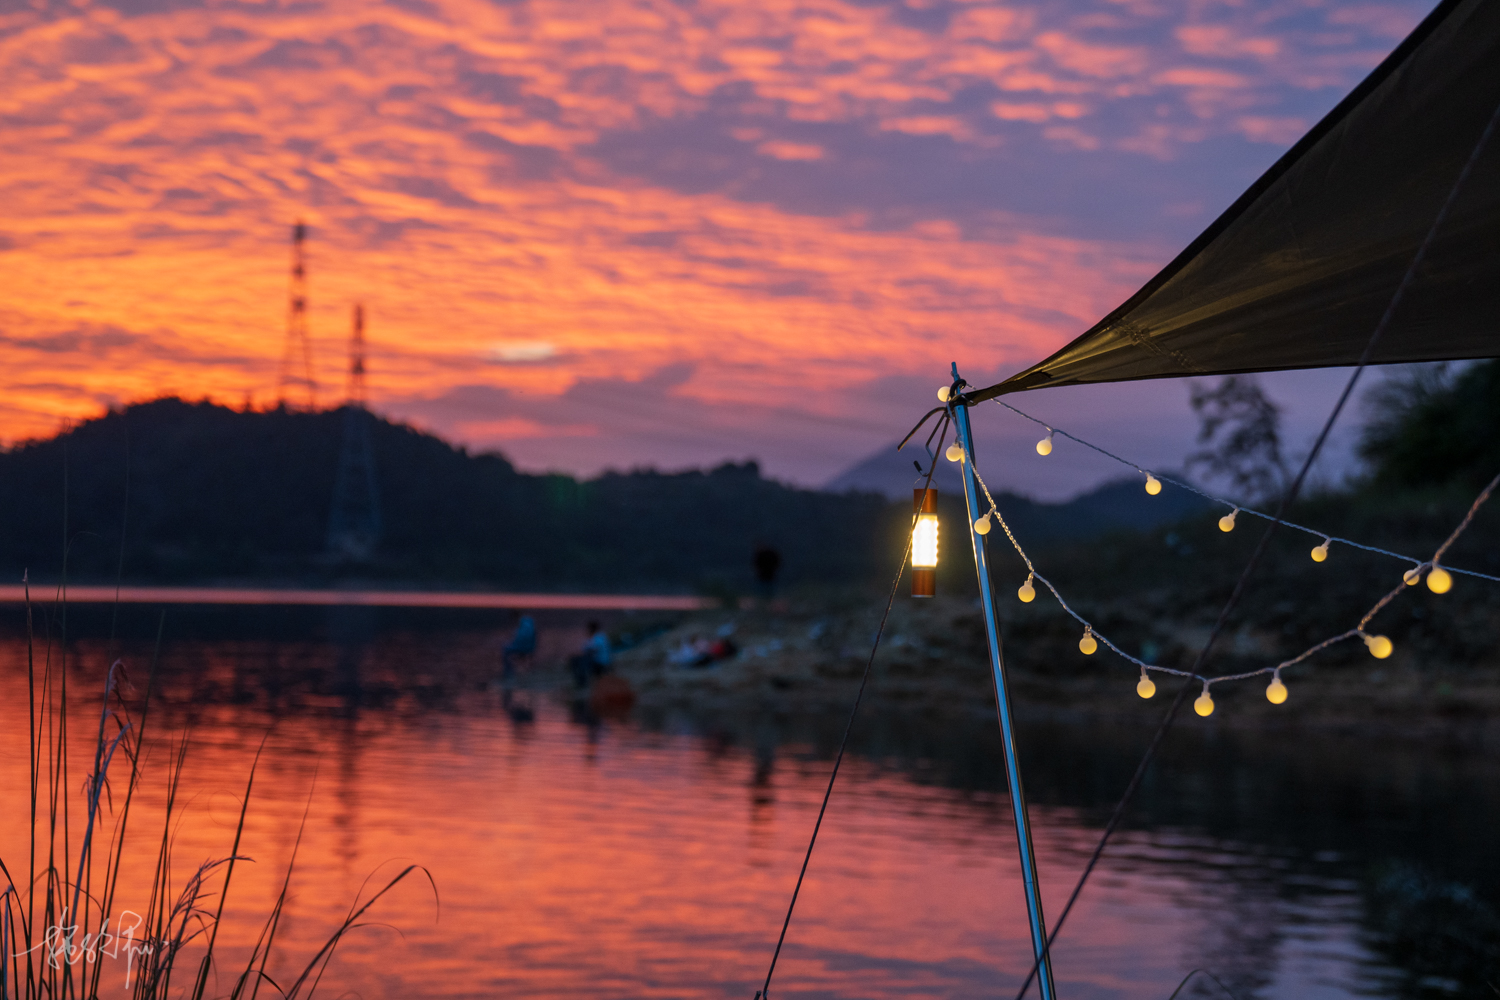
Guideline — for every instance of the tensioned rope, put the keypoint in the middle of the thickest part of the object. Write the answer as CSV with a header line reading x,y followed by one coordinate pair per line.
x,y
1260,548
1358,630
1241,508
938,431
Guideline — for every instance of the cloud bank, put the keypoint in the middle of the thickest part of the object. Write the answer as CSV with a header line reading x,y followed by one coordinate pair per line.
x,y
625,232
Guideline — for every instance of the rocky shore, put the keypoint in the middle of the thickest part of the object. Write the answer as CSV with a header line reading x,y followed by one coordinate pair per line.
x,y
808,657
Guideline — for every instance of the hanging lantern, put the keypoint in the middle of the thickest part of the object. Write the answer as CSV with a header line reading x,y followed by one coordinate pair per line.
x,y
924,543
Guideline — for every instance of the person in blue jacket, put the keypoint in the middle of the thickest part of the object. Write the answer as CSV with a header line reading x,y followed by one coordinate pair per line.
x,y
522,644
594,660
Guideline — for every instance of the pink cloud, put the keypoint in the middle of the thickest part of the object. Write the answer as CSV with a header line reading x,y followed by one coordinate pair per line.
x,y
1103,61
948,125
790,150
1021,112
1277,131
1224,42
1202,77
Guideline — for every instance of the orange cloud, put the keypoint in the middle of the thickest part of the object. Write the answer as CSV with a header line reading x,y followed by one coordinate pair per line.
x,y
534,196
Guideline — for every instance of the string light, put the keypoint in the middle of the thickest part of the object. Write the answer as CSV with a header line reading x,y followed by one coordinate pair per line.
x,y
1220,500
1145,687
1226,523
943,394
1276,691
955,452
982,525
1044,446
1204,706
1439,580
1380,646
1153,485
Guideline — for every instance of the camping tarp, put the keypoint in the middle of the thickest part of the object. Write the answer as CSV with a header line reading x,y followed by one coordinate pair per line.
x,y
1298,271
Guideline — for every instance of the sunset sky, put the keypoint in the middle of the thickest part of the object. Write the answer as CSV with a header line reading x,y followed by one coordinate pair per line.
x,y
634,232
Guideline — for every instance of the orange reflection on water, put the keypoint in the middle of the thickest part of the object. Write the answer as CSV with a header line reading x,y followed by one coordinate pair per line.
x,y
606,860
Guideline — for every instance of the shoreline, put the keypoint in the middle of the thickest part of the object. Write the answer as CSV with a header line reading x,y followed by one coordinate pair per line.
x,y
933,663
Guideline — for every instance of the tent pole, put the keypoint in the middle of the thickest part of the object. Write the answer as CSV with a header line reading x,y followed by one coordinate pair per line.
x,y
1002,705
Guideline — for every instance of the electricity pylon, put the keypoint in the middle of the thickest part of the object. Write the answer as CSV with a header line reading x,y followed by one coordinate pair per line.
x,y
354,393
354,521
296,328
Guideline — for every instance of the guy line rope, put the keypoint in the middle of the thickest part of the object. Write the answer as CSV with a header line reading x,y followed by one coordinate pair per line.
x,y
1241,508
1380,646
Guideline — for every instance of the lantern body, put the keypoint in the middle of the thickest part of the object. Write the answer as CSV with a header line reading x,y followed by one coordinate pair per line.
x,y
924,543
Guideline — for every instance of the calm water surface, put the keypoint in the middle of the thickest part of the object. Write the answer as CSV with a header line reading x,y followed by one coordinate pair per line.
x,y
653,855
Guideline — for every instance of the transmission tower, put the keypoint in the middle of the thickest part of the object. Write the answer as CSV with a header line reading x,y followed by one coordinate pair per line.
x,y
355,393
354,521
296,328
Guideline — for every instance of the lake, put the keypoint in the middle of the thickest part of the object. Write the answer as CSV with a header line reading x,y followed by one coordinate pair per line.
x,y
653,854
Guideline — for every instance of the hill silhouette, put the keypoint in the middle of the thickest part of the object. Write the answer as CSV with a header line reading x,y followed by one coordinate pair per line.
x,y
204,493
216,494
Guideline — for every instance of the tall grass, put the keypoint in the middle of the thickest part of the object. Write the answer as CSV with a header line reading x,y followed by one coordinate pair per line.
x,y
60,915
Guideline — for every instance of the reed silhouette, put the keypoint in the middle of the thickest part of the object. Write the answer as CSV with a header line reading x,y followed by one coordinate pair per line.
x,y
61,900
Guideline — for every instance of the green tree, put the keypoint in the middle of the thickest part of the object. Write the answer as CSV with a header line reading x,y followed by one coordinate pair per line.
x,y
1438,427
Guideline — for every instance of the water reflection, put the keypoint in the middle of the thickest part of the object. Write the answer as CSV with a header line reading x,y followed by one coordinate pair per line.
x,y
651,855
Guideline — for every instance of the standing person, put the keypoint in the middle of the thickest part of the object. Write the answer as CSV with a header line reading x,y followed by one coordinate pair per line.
x,y
522,644
766,561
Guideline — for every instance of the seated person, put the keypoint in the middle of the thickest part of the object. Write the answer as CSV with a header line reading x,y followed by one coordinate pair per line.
x,y
594,660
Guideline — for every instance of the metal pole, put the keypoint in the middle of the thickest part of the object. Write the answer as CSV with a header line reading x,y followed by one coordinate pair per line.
x,y
1002,705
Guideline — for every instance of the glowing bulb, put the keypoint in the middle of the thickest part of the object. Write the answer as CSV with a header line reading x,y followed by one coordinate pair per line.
x,y
1276,691
924,543
943,394
1087,645
1412,577
1204,706
1226,523
1439,581
955,452
1044,446
982,526
1153,485
1146,687
1321,552
1380,646
1027,593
